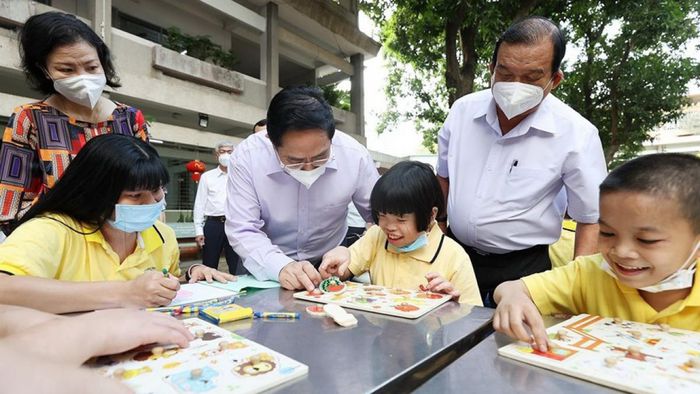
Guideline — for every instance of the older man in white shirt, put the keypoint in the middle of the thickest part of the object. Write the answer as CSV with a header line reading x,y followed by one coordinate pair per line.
x,y
506,153
209,212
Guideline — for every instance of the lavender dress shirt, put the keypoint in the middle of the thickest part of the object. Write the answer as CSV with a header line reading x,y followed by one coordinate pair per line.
x,y
272,219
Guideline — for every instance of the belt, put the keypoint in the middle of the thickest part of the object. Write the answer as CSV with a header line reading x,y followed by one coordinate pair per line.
x,y
217,218
515,253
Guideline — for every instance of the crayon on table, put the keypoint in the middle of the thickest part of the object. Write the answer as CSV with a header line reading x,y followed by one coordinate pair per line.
x,y
278,315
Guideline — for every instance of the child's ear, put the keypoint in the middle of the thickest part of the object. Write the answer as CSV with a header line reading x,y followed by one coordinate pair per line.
x,y
433,216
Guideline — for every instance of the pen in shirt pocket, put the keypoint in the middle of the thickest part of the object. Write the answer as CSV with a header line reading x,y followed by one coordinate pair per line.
x,y
514,164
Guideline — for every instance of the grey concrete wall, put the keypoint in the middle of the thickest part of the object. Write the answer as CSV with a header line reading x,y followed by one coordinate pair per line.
x,y
140,79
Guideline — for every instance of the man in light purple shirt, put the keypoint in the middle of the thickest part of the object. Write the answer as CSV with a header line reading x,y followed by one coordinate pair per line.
x,y
289,189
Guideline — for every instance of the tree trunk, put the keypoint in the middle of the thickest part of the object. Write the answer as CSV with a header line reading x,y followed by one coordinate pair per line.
x,y
615,139
453,76
469,57
610,152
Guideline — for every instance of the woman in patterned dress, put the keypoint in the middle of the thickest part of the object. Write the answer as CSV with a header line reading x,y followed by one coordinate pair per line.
x,y
65,60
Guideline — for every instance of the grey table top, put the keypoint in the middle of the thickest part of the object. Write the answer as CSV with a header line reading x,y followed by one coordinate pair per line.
x,y
482,370
381,353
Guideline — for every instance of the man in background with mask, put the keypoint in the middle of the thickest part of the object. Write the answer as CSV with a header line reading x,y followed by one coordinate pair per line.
x,y
289,189
209,212
508,152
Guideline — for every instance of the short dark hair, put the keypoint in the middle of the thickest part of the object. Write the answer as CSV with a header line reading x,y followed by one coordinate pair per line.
x,y
530,30
408,187
668,175
45,32
260,123
93,182
298,108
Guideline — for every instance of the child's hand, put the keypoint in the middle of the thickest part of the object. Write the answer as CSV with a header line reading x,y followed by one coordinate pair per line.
x,y
151,289
73,340
202,272
438,284
118,330
335,263
516,314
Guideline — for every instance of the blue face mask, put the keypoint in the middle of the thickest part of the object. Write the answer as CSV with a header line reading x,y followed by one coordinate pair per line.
x,y
420,242
136,218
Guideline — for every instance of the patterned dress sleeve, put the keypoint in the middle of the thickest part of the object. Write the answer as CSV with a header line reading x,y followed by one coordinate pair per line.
x,y
21,175
140,124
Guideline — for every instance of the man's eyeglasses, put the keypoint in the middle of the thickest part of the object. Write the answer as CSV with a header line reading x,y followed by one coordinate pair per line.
x,y
299,166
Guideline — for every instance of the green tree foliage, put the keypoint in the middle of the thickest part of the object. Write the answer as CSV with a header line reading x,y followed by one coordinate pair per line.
x,y
336,97
630,77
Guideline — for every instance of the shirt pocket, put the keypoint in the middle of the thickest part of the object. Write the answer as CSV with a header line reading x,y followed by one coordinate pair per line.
x,y
525,187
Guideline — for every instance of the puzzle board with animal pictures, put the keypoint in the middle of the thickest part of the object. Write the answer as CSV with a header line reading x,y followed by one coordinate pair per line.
x,y
379,299
216,361
625,355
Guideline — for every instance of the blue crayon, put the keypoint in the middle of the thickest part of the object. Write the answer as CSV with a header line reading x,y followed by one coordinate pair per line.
x,y
277,315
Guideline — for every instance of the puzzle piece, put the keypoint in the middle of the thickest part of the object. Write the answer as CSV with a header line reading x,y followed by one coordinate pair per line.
x,y
337,313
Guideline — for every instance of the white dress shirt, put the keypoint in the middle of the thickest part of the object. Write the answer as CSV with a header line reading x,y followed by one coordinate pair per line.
x,y
503,188
210,199
354,218
272,219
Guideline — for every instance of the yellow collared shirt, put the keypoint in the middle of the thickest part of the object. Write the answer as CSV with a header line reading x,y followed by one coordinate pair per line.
x,y
45,248
407,270
582,287
562,251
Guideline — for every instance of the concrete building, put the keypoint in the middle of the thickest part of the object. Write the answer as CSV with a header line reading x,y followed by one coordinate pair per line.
x,y
192,104
681,136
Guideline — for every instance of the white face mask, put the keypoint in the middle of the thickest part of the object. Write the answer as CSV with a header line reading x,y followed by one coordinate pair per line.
x,y
307,178
224,158
681,279
514,98
84,89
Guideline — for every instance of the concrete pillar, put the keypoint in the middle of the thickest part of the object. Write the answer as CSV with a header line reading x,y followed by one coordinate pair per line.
x,y
269,51
101,17
357,92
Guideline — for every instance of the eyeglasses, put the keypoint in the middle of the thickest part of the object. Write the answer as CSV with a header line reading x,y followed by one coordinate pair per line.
x,y
299,166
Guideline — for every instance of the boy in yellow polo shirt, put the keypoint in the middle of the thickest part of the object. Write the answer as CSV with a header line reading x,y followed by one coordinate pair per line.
x,y
93,241
407,249
649,247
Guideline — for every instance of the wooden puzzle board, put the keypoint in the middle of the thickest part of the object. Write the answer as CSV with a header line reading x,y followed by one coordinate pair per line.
x,y
379,299
597,349
225,362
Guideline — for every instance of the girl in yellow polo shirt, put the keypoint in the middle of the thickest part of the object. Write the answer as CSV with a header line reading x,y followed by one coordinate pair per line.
x,y
93,241
407,249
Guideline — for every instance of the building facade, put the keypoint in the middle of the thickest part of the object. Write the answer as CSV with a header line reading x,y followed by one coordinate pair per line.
x,y
250,50
682,136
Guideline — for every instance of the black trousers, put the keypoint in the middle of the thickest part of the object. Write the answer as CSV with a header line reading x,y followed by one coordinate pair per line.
x,y
493,269
215,242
